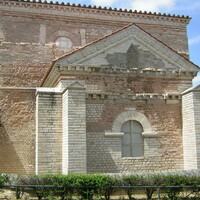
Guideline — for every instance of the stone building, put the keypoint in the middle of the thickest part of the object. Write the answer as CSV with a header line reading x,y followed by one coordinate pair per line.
x,y
86,89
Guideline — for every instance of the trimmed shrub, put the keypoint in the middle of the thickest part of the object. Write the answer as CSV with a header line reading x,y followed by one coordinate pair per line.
x,y
86,185
151,180
65,182
4,179
37,180
105,184
131,180
174,180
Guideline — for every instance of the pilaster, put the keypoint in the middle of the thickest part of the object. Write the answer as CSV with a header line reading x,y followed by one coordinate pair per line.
x,y
74,129
191,128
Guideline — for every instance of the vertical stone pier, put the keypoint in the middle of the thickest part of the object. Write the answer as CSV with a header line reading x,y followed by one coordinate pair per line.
x,y
74,129
48,131
191,128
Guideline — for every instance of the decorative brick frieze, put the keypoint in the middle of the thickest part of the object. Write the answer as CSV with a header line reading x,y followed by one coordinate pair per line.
x,y
139,96
93,13
59,70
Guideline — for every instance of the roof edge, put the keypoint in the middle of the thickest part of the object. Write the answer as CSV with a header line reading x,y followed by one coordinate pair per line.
x,y
99,8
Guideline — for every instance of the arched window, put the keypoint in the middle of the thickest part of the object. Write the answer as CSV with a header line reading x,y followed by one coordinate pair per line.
x,y
132,140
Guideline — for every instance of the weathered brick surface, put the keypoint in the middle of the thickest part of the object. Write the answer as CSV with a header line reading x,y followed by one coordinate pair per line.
x,y
129,84
161,153
24,41
170,35
17,131
27,47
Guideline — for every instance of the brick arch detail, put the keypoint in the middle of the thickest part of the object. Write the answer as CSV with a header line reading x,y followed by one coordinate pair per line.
x,y
131,115
75,40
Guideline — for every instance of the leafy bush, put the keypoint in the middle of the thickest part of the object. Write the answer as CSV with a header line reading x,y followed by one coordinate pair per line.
x,y
4,179
174,180
85,185
65,185
131,180
89,185
106,184
38,181
151,180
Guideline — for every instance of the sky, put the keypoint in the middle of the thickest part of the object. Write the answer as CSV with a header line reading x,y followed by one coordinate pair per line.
x,y
178,7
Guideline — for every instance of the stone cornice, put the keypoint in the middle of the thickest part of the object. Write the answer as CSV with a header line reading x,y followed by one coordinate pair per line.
x,y
91,12
114,96
134,96
20,89
58,72
192,89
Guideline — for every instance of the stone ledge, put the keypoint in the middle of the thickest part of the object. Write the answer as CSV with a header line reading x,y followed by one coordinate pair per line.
x,y
48,90
135,96
22,89
124,70
150,135
113,134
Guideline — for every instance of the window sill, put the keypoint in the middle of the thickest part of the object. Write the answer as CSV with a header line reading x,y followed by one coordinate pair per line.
x,y
113,134
133,158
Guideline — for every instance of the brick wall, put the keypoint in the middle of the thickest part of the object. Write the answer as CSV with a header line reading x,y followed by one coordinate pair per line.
x,y
28,43
162,151
27,48
129,84
17,130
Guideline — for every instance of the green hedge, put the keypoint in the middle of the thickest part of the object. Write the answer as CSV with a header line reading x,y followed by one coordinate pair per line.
x,y
100,186
4,179
84,185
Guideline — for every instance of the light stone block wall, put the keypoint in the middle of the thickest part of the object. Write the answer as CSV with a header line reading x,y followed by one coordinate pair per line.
x,y
104,156
191,128
74,129
162,144
196,99
48,132
189,136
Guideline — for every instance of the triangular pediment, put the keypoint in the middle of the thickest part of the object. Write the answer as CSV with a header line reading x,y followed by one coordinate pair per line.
x,y
76,85
128,48
131,47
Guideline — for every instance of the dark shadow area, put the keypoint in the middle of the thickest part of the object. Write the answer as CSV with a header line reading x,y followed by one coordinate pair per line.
x,y
9,159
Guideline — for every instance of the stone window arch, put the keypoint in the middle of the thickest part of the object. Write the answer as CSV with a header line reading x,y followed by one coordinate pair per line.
x,y
132,115
132,139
